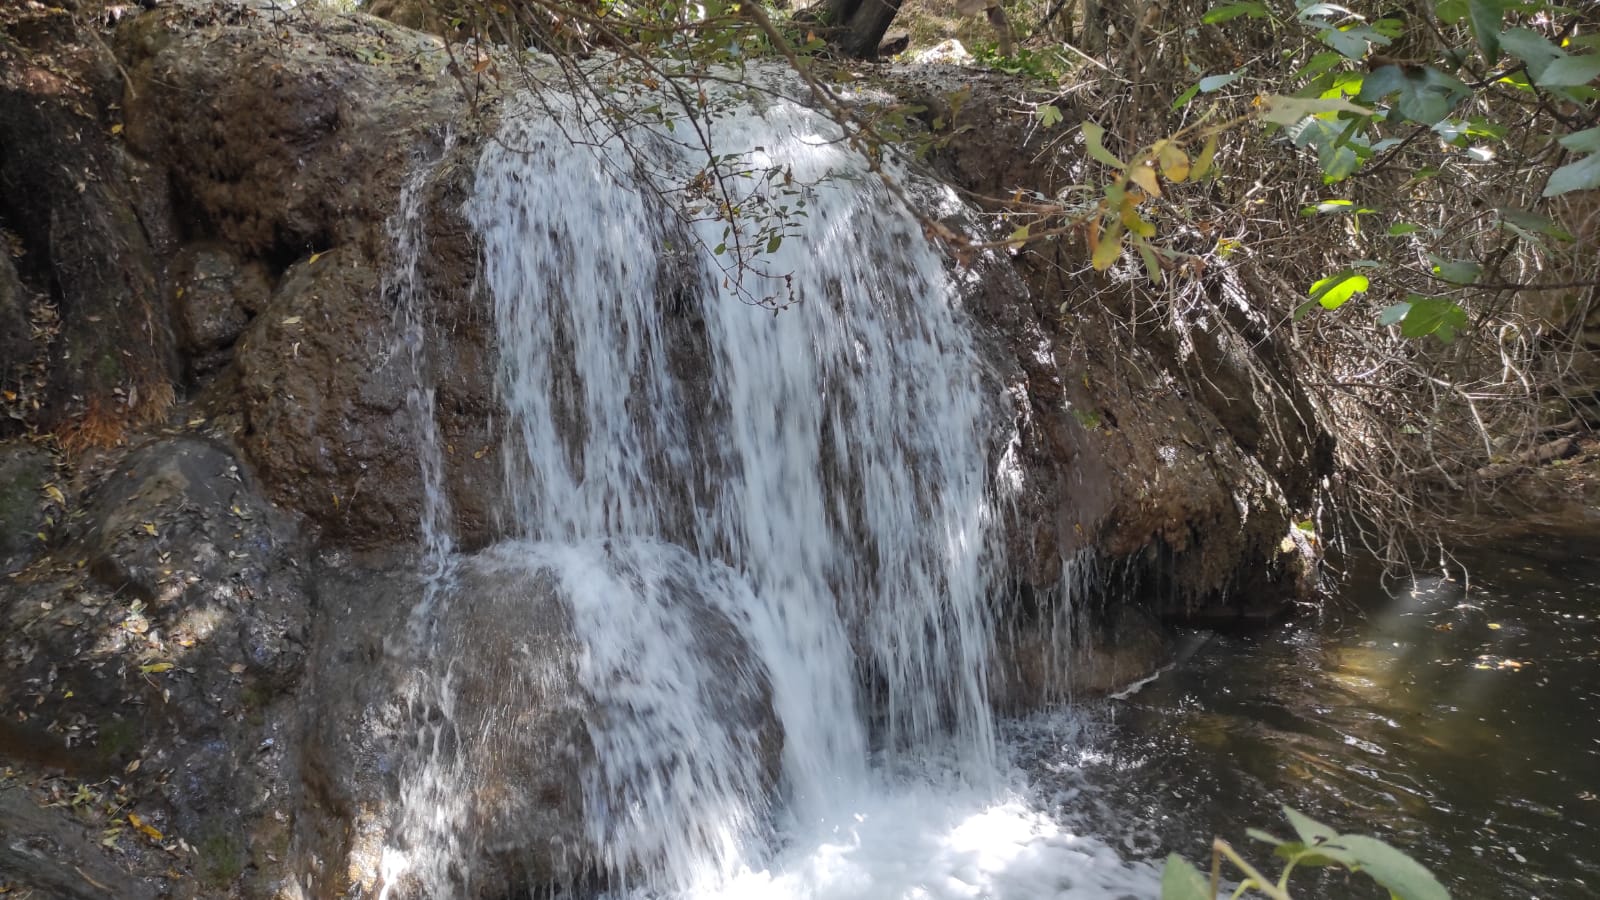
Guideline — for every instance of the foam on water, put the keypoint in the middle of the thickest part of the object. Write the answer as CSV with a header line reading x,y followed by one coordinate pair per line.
x,y
821,478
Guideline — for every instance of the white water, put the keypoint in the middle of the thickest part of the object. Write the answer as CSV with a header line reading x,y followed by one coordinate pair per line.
x,y
818,478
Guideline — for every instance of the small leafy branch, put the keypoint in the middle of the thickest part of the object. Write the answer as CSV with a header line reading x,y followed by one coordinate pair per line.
x,y
1316,845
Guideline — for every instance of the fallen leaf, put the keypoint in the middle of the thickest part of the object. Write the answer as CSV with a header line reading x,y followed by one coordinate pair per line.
x,y
156,668
291,320
149,528
143,828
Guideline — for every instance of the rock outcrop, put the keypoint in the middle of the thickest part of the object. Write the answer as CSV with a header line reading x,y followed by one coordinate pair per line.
x,y
206,193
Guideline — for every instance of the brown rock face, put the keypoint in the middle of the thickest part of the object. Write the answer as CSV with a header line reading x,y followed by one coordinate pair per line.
x,y
509,760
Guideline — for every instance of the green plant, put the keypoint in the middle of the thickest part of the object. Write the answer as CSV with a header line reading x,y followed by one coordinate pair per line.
x,y
1316,845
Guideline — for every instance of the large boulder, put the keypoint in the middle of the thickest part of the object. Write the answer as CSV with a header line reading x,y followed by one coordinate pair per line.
x,y
465,735
159,641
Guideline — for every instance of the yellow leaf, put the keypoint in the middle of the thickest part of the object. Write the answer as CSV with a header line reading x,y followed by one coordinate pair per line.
x,y
1145,178
117,128
1202,164
156,668
1174,162
1110,248
54,493
1494,626
1130,219
143,828
149,528
315,257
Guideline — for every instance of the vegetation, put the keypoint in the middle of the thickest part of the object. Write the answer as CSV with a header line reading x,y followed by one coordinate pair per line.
x,y
1316,845
1403,192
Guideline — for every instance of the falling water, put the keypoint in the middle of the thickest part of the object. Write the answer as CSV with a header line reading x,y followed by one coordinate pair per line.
x,y
682,458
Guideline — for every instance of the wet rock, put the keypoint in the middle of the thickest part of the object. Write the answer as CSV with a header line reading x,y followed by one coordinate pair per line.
x,y
284,134
498,755
161,639
57,857
66,191
325,378
24,469
214,296
16,346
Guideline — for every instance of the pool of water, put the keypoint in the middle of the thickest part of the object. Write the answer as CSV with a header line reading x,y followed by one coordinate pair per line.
x,y
1457,718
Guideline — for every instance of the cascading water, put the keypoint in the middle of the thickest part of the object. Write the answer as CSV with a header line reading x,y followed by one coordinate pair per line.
x,y
733,504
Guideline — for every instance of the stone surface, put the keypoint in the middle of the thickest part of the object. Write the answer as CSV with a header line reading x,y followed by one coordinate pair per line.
x,y
214,296
160,637
520,735
24,470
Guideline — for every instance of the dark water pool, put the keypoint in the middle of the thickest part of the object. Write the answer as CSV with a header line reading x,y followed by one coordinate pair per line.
x,y
1457,719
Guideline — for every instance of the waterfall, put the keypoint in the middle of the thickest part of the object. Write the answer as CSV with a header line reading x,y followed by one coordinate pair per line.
x,y
754,479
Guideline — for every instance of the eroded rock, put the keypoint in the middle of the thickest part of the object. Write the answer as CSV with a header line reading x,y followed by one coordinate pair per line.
x,y
467,708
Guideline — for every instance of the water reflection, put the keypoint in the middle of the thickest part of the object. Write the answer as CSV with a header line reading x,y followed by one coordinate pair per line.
x,y
1461,723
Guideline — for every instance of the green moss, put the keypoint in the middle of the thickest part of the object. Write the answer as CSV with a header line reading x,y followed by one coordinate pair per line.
x,y
109,368
219,856
117,739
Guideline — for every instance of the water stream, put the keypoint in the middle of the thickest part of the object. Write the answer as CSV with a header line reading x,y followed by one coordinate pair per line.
x,y
763,475
765,492
1457,719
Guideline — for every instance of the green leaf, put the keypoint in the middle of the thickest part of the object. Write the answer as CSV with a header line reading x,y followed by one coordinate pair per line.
x,y
1393,314
1534,222
1018,238
1334,290
1310,830
1213,83
1402,875
1437,316
1456,271
1264,837
1180,880
1581,175
1425,95
1586,141
1233,11
1530,47
1049,115
1319,64
1352,40
1093,135
1186,96
1486,16
1152,266
1400,229
774,242
1570,71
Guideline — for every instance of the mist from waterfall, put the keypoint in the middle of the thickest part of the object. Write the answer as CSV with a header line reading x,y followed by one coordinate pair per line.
x,y
802,446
